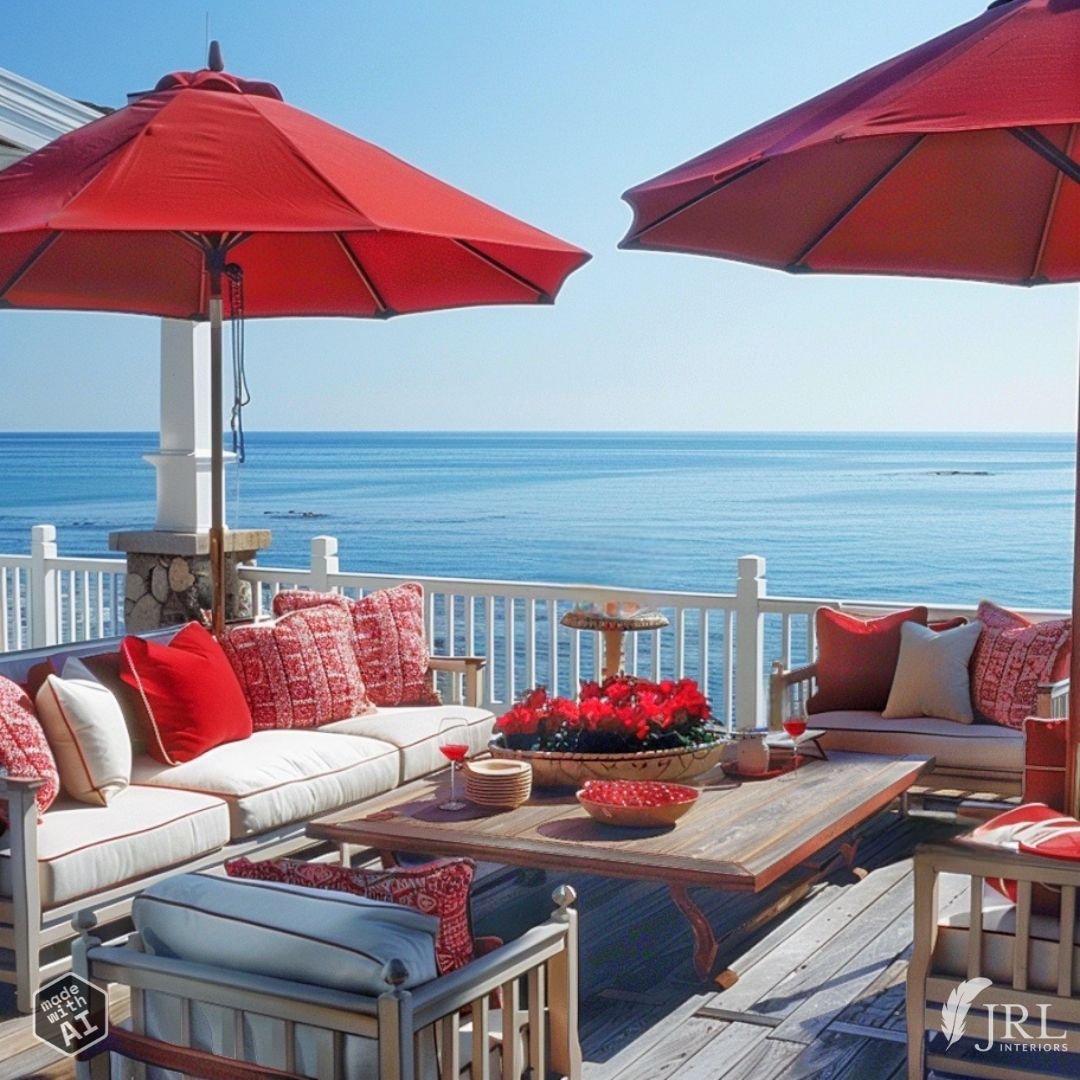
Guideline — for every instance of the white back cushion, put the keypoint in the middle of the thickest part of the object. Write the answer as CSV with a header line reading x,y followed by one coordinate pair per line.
x,y
86,731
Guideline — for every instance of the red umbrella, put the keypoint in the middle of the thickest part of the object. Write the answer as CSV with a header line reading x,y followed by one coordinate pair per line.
x,y
143,210
958,159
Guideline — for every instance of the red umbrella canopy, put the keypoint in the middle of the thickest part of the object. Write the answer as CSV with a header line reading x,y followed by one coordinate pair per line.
x,y
957,159
119,215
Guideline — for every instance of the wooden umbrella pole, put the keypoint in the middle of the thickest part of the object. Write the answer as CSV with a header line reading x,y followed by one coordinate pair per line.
x,y
1072,735
217,458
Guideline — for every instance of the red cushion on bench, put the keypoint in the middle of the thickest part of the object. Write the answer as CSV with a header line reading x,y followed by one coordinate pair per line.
x,y
192,697
857,658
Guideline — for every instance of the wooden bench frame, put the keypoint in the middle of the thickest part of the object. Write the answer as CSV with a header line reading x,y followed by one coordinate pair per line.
x,y
1052,703
544,958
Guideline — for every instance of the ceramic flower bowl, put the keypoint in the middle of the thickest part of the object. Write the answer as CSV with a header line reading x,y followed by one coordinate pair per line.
x,y
641,804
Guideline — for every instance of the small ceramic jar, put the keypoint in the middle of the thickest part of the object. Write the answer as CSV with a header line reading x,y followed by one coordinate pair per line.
x,y
751,753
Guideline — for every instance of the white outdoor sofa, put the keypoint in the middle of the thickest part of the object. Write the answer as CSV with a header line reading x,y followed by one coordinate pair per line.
x,y
252,797
981,757
311,1008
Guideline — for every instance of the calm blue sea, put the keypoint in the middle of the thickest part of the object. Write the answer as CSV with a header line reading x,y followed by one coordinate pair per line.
x,y
949,518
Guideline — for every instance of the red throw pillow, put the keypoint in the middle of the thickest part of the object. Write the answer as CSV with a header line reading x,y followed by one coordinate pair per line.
x,y
388,628
1012,657
1036,830
192,699
1044,761
300,671
857,658
439,888
24,750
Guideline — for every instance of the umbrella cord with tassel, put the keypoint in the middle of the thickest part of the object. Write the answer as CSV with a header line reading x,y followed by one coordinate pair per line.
x,y
241,395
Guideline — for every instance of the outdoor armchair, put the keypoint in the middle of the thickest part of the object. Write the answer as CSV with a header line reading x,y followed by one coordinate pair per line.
x,y
206,1020
1028,961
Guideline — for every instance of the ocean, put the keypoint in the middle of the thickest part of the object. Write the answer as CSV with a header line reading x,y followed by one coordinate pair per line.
x,y
944,518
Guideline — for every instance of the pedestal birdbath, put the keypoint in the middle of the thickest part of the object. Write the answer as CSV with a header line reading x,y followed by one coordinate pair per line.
x,y
614,621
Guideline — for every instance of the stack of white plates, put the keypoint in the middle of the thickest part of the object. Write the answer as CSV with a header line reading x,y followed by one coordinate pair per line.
x,y
498,783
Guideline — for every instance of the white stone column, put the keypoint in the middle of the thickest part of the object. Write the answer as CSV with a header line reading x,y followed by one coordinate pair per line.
x,y
183,459
169,575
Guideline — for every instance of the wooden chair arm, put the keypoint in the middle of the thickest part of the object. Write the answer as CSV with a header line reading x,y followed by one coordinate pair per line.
x,y
982,860
779,681
465,669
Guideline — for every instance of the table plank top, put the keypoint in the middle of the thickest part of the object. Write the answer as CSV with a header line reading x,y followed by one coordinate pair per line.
x,y
741,835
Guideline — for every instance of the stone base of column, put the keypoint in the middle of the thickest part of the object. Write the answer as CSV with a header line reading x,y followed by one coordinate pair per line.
x,y
169,579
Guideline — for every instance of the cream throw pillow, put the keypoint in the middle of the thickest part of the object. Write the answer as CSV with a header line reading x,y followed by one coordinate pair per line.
x,y
932,673
86,730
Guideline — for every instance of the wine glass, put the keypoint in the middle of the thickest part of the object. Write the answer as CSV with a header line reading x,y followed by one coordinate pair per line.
x,y
795,721
454,746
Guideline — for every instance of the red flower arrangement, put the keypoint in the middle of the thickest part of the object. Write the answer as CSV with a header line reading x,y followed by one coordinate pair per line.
x,y
622,715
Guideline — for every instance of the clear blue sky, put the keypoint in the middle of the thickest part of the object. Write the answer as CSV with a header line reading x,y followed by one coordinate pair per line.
x,y
549,111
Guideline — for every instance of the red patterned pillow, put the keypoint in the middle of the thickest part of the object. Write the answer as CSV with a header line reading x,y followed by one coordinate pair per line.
x,y
389,639
1012,657
439,888
24,751
191,697
300,671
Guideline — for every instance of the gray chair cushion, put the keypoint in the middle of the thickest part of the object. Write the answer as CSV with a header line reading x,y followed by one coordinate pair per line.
x,y
286,931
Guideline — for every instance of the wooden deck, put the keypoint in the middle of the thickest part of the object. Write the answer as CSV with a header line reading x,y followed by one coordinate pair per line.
x,y
820,988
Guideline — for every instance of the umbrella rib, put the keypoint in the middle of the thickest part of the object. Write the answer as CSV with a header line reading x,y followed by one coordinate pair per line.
x,y
1055,194
1037,141
384,309
798,264
635,238
542,295
29,262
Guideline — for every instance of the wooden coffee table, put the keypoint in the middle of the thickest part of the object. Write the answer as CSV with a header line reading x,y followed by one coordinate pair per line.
x,y
741,836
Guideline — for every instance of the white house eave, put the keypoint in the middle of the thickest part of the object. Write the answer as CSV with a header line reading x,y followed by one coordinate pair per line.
x,y
31,115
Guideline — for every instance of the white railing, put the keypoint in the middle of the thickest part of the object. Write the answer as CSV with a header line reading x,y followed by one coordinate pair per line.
x,y
48,600
727,641
516,626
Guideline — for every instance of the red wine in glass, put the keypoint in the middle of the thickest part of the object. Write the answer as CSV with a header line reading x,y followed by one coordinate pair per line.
x,y
795,726
795,722
453,747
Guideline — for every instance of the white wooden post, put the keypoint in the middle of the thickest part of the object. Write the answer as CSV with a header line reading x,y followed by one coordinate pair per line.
x,y
43,622
749,643
324,562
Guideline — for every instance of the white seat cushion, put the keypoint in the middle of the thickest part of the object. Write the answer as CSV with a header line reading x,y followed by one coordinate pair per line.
x,y
278,777
414,729
85,849
999,925
953,745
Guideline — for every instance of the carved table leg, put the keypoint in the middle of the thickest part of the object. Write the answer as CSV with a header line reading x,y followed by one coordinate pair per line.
x,y
705,943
